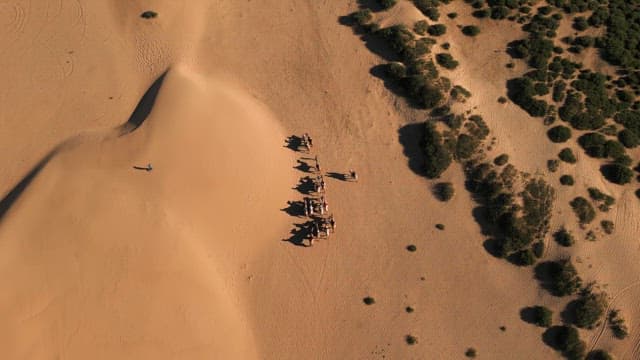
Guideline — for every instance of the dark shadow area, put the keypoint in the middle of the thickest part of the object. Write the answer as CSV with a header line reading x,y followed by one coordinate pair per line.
x,y
300,233
395,87
528,315
544,274
492,246
553,337
305,186
511,49
145,168
479,214
337,176
410,137
568,315
295,208
293,142
143,109
378,46
12,196
373,5
303,166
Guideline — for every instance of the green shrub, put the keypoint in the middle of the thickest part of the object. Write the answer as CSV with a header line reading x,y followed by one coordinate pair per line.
x,y
440,226
465,146
429,8
567,156
628,138
604,201
589,309
559,134
501,159
568,339
420,27
411,248
617,174
471,353
471,30
362,17
593,144
437,30
599,355
542,316
387,4
396,70
444,191
446,60
524,257
452,15
583,210
437,156
553,165
607,226
580,23
617,324
369,300
411,340
567,180
564,237
149,14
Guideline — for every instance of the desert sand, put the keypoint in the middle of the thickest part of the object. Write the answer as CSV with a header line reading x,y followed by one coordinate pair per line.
x,y
191,260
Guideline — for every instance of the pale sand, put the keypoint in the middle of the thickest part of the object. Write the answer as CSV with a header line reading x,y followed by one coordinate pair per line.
x,y
188,261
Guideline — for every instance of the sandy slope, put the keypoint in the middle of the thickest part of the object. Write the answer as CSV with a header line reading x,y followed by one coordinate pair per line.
x,y
188,261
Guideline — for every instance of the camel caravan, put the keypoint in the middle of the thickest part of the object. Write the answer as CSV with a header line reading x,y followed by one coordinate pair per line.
x,y
321,224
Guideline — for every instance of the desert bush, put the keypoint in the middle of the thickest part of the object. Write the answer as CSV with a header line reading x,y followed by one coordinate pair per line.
x,y
553,165
387,4
396,70
564,237
599,355
369,300
628,138
411,248
538,249
583,210
569,343
471,30
521,92
440,226
542,316
580,23
437,30
446,60
465,146
452,15
437,156
617,174
567,156
607,226
559,134
589,308
420,27
524,257
604,200
593,144
617,324
429,8
501,159
567,180
362,17
502,100
471,353
411,340
409,309
444,191
149,14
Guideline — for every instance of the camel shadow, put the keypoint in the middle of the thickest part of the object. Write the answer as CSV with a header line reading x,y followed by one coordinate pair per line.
x,y
303,166
306,186
300,233
293,142
295,208
337,176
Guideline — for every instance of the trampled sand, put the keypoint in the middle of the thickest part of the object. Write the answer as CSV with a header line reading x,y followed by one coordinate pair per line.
x,y
191,260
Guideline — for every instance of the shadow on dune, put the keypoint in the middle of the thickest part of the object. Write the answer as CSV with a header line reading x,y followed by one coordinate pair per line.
x,y
305,186
143,109
410,137
12,196
337,176
300,233
294,208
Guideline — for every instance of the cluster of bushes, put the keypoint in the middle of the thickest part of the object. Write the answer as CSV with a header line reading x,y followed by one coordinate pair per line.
x,y
567,340
604,201
497,9
596,145
588,309
583,210
561,277
437,155
522,91
517,225
387,4
446,60
430,7
617,324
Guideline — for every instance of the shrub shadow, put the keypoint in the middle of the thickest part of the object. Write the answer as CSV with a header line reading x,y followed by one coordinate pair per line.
x,y
528,315
568,315
410,137
551,337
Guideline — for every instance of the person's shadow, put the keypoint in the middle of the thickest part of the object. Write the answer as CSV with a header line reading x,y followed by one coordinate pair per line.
x,y
338,176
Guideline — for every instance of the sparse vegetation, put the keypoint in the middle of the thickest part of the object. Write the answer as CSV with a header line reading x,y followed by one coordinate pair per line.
x,y
446,61
564,237
561,275
603,200
501,159
589,308
553,165
567,180
369,300
149,14
411,340
471,30
471,353
583,210
444,191
607,226
567,156
617,324
420,27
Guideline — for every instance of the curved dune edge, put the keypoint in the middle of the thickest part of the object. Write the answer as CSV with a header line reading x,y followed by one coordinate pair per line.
x,y
111,262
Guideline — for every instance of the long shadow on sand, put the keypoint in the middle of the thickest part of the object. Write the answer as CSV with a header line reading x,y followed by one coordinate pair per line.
x,y
144,107
410,137
300,233
138,116
294,208
337,176
305,186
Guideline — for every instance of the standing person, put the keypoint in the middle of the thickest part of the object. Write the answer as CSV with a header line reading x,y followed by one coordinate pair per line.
x,y
309,140
318,167
353,175
332,222
149,167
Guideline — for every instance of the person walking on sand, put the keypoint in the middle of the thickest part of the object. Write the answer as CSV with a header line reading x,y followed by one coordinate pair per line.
x,y
149,167
318,169
353,175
